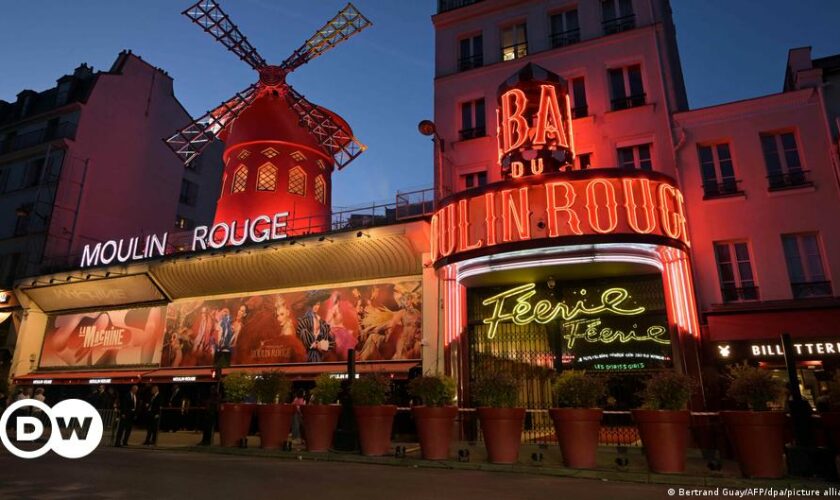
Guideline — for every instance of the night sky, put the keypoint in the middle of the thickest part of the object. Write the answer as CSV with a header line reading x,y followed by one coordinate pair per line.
x,y
380,80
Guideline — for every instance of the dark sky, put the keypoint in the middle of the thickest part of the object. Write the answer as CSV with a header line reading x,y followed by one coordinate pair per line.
x,y
381,80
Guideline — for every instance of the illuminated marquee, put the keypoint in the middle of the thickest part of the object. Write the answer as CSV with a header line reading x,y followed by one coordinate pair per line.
x,y
534,123
562,205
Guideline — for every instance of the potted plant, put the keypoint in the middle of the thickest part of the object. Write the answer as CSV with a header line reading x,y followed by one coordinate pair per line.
x,y
756,434
500,418
577,418
320,418
435,416
375,419
235,414
274,416
830,410
664,421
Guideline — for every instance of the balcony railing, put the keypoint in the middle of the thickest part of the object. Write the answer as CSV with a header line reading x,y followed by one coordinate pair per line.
x,y
808,289
580,111
471,133
65,130
739,294
564,38
447,5
515,51
788,180
627,102
726,187
619,24
470,62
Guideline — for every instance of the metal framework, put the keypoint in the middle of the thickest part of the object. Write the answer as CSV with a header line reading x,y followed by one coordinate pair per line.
x,y
334,138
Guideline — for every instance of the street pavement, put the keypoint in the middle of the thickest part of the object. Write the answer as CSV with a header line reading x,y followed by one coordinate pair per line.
x,y
125,473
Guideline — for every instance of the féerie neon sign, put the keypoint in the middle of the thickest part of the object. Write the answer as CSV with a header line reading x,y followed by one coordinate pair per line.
x,y
523,312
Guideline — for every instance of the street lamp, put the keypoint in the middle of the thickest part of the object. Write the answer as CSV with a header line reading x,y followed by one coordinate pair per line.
x,y
428,128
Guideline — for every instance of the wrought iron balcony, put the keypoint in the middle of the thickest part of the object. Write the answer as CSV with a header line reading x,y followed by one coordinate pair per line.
x,y
472,133
515,51
470,62
65,130
808,289
726,187
619,24
564,38
788,180
627,102
739,294
447,5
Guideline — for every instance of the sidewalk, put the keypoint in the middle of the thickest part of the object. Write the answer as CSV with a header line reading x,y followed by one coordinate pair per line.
x,y
697,473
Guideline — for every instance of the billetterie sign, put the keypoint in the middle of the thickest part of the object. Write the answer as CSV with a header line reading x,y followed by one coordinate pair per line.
x,y
259,229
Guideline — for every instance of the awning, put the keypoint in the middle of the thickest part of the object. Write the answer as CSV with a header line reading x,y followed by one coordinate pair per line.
x,y
178,375
308,371
769,325
87,377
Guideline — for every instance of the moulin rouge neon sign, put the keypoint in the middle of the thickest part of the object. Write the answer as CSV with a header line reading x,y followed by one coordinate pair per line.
x,y
581,320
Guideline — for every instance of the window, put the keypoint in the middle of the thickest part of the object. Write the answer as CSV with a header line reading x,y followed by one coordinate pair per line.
x,y
240,179
63,93
269,152
565,29
320,190
805,266
267,177
781,157
635,157
472,120
9,269
579,107
32,173
716,169
297,181
471,53
297,156
617,16
584,161
24,215
475,179
189,192
183,223
626,89
243,154
735,272
514,42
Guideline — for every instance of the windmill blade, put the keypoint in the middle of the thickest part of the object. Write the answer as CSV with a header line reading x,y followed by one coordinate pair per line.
x,y
191,140
213,20
345,24
336,140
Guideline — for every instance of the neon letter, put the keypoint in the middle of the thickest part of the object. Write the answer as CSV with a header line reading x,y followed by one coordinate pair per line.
x,y
647,206
610,204
553,208
549,111
512,214
464,228
512,115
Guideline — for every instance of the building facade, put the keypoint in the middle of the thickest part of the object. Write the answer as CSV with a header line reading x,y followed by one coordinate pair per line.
x,y
63,186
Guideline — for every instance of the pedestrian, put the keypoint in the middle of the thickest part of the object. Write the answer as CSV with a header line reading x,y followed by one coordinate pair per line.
x,y
37,412
211,413
153,416
128,411
176,404
300,400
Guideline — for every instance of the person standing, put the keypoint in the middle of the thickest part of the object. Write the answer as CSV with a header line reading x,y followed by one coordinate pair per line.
x,y
153,415
211,413
176,406
128,411
300,400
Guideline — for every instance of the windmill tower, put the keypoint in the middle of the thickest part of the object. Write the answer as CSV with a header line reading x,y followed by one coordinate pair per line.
x,y
280,148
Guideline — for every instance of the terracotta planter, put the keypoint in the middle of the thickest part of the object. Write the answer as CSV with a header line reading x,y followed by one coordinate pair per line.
x,y
275,422
434,429
319,423
502,429
758,440
234,421
577,431
831,425
664,435
375,424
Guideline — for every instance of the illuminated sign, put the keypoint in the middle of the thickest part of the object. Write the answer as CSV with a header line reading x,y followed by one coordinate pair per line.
x,y
184,379
45,381
811,349
565,205
534,123
99,381
261,228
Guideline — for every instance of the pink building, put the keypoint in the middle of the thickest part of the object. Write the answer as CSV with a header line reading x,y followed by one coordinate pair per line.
x,y
756,177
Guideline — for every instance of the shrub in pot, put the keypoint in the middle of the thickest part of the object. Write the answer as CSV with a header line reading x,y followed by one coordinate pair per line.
x,y
320,418
500,418
274,416
664,421
374,418
756,434
435,416
577,418
235,414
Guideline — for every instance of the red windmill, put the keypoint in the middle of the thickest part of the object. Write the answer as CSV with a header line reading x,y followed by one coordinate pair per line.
x,y
280,148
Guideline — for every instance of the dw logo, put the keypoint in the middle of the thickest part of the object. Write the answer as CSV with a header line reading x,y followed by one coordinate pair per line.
x,y
75,428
